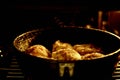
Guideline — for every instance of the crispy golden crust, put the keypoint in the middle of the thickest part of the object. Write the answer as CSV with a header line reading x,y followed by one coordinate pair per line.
x,y
66,54
38,50
86,48
60,45
92,56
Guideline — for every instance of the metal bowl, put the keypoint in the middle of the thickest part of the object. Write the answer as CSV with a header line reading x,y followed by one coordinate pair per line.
x,y
48,69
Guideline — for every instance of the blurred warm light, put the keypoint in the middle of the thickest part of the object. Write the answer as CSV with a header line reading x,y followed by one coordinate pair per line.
x,y
104,22
117,11
88,26
100,14
116,31
0,51
1,55
114,21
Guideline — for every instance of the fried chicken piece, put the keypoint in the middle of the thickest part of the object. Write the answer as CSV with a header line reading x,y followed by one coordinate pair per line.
x,y
66,54
38,51
60,45
86,48
92,56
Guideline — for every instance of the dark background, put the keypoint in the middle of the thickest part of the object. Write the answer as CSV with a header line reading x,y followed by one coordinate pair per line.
x,y
19,16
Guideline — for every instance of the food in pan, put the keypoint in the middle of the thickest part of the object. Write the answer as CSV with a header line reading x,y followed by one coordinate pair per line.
x,y
67,52
38,50
88,51
86,48
60,45
64,51
92,55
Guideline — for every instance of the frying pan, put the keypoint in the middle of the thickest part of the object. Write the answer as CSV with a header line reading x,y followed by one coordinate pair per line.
x,y
47,69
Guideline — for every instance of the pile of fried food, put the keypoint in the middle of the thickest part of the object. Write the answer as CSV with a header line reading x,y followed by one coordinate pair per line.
x,y
65,51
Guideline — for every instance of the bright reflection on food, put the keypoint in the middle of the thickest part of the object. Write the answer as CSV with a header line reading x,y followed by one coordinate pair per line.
x,y
66,51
